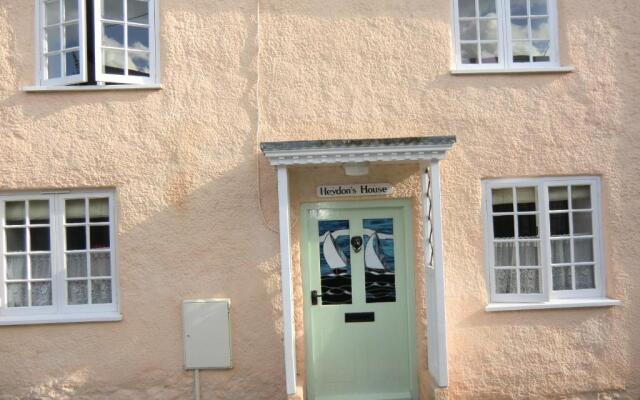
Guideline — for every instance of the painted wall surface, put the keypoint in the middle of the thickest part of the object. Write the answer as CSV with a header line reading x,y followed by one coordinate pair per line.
x,y
197,202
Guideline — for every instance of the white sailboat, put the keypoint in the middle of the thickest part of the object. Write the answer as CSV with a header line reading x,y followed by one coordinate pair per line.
x,y
373,257
332,254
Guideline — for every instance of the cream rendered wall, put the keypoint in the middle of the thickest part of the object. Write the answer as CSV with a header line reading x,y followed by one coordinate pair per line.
x,y
197,211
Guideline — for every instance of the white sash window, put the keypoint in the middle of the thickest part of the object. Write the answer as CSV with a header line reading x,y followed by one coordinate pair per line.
x,y
57,258
505,34
97,42
543,239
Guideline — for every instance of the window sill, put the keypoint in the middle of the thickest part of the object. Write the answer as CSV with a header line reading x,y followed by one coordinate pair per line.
x,y
553,304
59,318
90,88
543,70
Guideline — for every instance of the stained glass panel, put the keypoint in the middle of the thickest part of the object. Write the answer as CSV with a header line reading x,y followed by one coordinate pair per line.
x,y
379,260
335,262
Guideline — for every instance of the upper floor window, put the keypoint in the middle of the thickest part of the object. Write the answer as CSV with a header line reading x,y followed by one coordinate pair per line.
x,y
57,257
97,42
505,34
544,239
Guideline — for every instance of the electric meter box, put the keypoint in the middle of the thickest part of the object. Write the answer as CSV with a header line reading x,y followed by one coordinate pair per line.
x,y
206,333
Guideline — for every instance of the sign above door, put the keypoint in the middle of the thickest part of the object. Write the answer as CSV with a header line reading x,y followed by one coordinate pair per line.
x,y
359,189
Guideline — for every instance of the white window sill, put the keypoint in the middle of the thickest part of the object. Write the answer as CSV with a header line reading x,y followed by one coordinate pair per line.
x,y
60,318
502,71
90,88
565,303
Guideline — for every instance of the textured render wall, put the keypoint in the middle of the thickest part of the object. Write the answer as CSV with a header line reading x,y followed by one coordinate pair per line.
x,y
183,160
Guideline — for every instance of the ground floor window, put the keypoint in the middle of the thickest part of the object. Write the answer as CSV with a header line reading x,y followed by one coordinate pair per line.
x,y
543,238
57,253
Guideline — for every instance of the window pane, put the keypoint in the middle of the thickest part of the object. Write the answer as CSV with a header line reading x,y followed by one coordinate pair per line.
x,y
113,35
583,250
52,38
76,265
99,237
502,200
521,52
39,239
52,12
559,224
54,66
560,251
541,51
139,63
528,226
505,255
99,210
138,38
519,28
540,28
529,281
72,63
467,8
113,9
562,278
138,11
527,198
585,277
16,239
529,253
539,7
580,197
558,198
17,295
506,281
77,292
76,238
101,291
468,30
518,7
335,261
41,294
39,211
503,226
71,36
487,8
489,53
113,62
14,212
379,260
582,223
100,264
40,266
16,267
74,210
70,10
489,29
469,53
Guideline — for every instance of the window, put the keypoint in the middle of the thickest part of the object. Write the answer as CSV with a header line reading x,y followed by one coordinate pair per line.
x,y
543,239
57,254
505,34
96,42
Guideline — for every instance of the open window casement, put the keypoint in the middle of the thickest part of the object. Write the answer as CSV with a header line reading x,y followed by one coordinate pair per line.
x,y
125,41
96,42
62,47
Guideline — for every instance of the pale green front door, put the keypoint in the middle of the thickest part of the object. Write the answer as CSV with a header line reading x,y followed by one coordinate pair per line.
x,y
359,300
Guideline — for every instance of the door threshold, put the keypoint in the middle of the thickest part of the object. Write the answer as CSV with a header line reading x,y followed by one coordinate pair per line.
x,y
369,396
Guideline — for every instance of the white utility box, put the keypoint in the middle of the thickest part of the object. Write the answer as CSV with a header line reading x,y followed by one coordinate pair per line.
x,y
206,333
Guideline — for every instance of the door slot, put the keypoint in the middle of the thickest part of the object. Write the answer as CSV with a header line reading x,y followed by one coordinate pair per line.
x,y
359,317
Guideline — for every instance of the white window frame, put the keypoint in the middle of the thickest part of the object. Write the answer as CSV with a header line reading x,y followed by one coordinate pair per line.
x,y
60,311
101,78
505,50
547,295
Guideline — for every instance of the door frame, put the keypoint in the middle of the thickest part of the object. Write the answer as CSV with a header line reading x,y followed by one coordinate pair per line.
x,y
405,205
